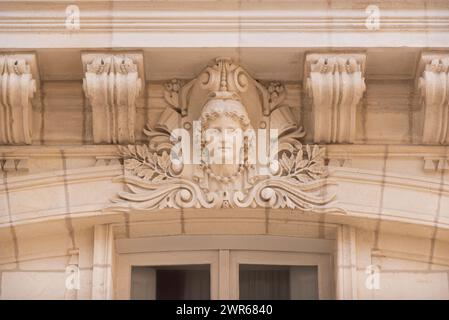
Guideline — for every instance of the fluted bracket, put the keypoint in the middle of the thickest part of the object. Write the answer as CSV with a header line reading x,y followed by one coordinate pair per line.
x,y
112,84
335,83
433,85
18,84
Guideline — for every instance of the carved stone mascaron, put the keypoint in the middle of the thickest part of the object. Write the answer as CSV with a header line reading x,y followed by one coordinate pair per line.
x,y
223,94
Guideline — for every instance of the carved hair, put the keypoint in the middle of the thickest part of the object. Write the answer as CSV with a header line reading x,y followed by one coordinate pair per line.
x,y
228,106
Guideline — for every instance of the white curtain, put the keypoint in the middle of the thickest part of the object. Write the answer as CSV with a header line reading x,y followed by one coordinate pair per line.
x,y
258,282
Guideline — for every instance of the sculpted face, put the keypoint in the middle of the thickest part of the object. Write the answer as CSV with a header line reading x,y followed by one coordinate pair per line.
x,y
225,135
224,122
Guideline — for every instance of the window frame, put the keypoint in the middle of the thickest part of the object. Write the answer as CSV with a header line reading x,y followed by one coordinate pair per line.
x,y
223,254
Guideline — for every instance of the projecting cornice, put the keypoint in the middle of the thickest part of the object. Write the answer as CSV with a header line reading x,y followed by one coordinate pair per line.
x,y
112,84
19,77
433,85
335,83
224,23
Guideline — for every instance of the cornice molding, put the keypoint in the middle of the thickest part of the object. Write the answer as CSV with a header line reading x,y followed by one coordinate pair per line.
x,y
175,23
59,178
333,151
86,179
212,16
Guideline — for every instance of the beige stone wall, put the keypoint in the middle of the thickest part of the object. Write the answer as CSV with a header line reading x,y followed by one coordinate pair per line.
x,y
64,176
410,267
390,180
37,267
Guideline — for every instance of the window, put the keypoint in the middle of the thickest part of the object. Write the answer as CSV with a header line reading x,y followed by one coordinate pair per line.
x,y
180,282
268,282
188,267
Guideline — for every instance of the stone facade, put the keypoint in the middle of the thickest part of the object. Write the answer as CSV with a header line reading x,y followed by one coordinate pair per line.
x,y
91,92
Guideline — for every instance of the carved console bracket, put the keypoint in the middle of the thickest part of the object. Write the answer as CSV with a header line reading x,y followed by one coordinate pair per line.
x,y
112,84
19,82
335,83
433,86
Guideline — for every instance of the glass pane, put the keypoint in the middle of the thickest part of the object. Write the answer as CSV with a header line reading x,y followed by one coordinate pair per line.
x,y
267,282
183,282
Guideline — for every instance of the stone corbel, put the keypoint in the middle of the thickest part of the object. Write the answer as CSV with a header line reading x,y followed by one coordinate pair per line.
x,y
335,83
433,86
18,84
112,84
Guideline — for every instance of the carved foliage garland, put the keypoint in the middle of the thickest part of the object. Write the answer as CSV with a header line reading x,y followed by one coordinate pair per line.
x,y
293,177
155,183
